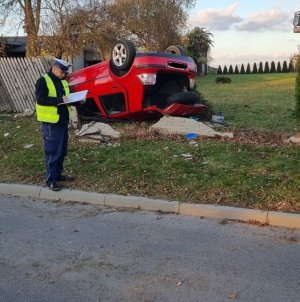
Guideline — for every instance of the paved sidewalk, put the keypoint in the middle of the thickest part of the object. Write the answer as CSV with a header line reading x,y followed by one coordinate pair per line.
x,y
199,210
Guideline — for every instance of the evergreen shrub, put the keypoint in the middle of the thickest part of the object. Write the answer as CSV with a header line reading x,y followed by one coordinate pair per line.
x,y
223,80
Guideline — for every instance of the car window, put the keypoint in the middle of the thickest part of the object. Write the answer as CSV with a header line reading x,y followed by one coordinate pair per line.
x,y
113,103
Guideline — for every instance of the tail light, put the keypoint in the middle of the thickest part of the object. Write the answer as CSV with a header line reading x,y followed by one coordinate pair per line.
x,y
192,83
148,78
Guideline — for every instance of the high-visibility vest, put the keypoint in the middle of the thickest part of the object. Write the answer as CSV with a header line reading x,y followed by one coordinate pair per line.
x,y
49,114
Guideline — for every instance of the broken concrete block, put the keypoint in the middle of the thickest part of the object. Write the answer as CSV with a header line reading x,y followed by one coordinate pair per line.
x,y
294,139
98,128
180,125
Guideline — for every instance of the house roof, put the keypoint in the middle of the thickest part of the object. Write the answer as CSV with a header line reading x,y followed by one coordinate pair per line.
x,y
16,40
16,44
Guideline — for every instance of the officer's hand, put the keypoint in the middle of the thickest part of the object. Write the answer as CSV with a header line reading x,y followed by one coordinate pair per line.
x,y
65,98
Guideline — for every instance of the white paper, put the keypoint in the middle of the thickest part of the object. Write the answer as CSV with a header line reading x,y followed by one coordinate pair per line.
x,y
76,97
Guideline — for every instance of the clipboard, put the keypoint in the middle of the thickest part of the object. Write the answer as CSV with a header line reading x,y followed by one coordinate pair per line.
x,y
75,97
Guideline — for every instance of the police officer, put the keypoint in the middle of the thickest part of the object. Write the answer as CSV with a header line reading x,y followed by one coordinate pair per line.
x,y
51,92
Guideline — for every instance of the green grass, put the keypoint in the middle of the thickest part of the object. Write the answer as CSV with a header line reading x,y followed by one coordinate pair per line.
x,y
239,172
219,172
263,101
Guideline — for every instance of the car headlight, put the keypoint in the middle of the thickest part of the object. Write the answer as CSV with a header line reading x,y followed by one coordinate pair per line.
x,y
148,78
192,83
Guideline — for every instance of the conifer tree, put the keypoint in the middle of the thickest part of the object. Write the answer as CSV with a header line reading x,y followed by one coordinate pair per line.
x,y
278,68
260,68
254,69
242,69
284,67
273,68
248,69
219,71
267,68
291,67
236,70
230,70
225,70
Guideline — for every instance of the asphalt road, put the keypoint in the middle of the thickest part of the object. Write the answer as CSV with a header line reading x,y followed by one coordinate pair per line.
x,y
51,251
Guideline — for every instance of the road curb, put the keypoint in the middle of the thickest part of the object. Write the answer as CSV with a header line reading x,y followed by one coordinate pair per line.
x,y
198,210
223,212
20,190
284,220
158,205
72,195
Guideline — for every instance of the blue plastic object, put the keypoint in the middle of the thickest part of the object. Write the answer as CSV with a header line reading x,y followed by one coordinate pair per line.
x,y
191,135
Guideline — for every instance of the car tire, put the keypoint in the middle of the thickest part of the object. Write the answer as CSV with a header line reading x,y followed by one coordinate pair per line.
x,y
176,50
122,56
186,98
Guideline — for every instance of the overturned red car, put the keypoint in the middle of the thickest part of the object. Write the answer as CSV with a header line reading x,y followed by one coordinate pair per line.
x,y
138,85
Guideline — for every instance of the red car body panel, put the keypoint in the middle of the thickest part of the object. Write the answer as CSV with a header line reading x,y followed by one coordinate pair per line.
x,y
105,87
177,109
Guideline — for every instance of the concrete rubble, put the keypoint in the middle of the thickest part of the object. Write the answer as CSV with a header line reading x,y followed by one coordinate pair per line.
x,y
294,139
27,112
180,125
97,132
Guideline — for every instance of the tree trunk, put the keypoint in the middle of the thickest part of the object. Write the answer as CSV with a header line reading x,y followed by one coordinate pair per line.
x,y
32,27
32,49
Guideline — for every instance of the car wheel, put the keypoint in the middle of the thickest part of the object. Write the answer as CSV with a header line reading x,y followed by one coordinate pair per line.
x,y
177,50
122,56
186,98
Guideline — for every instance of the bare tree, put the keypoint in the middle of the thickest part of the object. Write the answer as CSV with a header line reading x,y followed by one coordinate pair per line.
x,y
56,29
154,24
2,47
29,12
70,27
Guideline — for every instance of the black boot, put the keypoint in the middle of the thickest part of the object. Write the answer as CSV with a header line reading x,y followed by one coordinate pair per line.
x,y
54,186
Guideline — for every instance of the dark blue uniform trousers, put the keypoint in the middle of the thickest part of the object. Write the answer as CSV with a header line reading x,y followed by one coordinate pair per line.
x,y
55,147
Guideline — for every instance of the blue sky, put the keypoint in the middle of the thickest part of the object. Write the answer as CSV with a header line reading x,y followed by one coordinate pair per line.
x,y
248,31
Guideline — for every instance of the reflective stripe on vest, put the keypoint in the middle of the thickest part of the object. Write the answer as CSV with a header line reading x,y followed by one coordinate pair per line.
x,y
49,113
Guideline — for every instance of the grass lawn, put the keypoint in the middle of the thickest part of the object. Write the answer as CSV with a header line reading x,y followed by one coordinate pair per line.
x,y
249,171
263,101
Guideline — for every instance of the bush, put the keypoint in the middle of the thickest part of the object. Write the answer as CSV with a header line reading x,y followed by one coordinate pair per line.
x,y
208,112
297,90
223,80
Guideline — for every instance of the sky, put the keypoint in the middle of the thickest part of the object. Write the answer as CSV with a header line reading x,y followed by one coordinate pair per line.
x,y
248,31
245,31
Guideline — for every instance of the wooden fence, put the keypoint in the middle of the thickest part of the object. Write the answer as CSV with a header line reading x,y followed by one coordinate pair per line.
x,y
17,82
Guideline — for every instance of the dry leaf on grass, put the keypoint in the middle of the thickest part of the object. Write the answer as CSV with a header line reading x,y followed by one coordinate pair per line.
x,y
233,296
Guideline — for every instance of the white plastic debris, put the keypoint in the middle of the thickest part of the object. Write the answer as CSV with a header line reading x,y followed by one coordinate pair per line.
x,y
27,112
6,134
187,156
28,146
218,118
